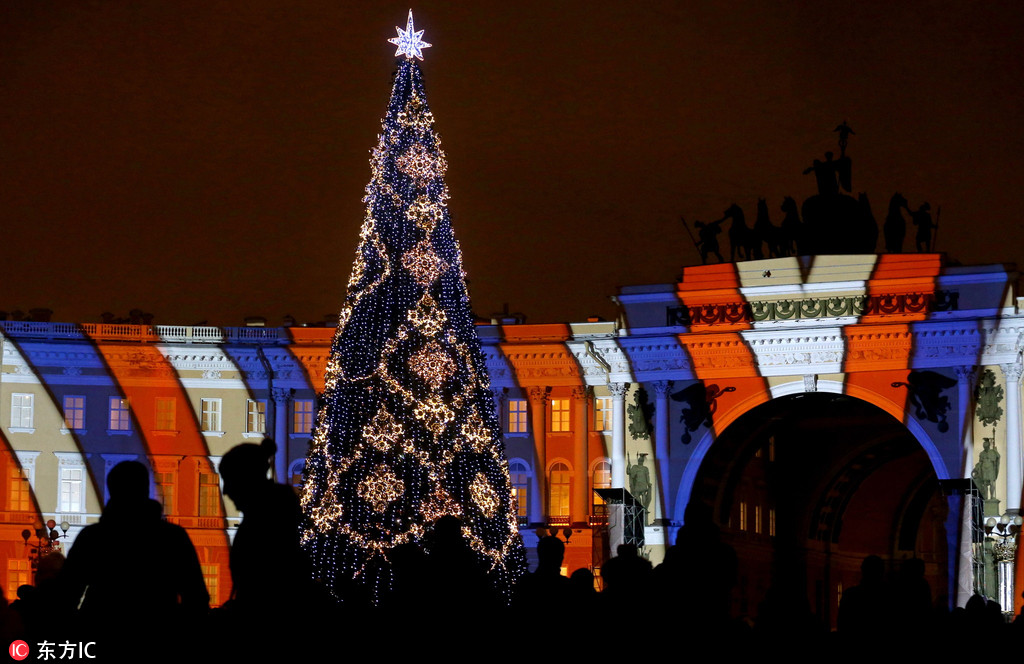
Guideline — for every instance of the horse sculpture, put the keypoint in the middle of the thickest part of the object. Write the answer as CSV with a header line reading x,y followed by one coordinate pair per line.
x,y
742,239
792,229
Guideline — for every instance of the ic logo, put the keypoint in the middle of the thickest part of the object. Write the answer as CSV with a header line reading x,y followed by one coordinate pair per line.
x,y
19,650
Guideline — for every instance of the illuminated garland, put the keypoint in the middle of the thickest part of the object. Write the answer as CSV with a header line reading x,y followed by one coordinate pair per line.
x,y
406,432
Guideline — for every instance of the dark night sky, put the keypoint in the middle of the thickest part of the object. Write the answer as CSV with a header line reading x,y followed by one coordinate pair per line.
x,y
206,160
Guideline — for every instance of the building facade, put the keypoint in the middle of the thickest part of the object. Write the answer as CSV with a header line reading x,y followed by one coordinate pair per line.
x,y
822,408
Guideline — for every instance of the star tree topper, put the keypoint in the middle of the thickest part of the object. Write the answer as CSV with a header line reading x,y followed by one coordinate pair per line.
x,y
409,41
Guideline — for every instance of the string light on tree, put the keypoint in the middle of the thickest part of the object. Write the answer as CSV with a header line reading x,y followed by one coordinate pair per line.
x,y
406,432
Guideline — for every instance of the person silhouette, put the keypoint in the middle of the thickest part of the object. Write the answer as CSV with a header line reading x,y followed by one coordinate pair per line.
x,y
126,598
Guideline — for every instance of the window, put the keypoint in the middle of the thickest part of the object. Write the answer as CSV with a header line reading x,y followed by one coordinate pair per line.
x,y
757,519
558,486
74,412
302,411
743,515
72,490
19,573
517,415
603,414
519,473
295,473
20,494
771,522
165,414
256,416
120,418
559,415
210,409
164,483
209,494
210,576
602,479
22,407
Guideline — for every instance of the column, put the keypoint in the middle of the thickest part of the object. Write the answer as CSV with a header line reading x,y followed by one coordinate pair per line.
x,y
281,396
1014,470
661,454
580,506
966,378
539,486
618,391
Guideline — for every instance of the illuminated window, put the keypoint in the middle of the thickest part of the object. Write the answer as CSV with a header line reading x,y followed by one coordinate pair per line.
x,y
209,494
74,412
743,515
517,416
602,479
166,419
520,476
20,494
757,519
19,573
211,409
164,483
120,418
558,490
256,416
771,522
72,490
211,574
559,415
302,421
22,411
603,414
295,472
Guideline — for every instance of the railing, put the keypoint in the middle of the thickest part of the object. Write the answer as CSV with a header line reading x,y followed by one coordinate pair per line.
x,y
144,333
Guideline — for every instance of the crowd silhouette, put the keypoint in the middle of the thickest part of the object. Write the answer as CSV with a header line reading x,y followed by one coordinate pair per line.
x,y
134,580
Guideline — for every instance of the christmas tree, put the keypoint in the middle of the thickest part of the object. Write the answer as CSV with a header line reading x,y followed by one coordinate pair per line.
x,y
406,431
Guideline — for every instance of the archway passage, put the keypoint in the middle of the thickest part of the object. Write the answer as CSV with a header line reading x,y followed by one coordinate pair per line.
x,y
805,487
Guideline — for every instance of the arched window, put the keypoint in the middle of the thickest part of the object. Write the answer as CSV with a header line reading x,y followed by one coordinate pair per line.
x,y
295,473
558,491
519,472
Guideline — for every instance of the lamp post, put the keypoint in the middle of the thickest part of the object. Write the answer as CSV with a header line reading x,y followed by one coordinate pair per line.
x,y
1007,527
46,540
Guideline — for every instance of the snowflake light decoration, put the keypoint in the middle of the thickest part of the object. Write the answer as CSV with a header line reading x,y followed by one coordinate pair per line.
x,y
409,41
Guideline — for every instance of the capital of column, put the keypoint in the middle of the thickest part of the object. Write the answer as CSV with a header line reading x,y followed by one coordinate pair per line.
x,y
618,390
1011,371
282,395
579,392
661,388
539,395
967,373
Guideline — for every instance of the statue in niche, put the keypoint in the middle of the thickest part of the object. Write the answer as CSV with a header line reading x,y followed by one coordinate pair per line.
x,y
640,482
986,471
702,403
640,412
925,388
